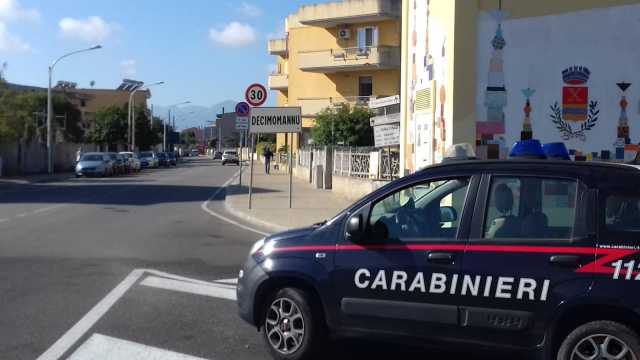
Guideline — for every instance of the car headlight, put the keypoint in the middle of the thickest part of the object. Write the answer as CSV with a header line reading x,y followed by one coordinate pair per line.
x,y
257,246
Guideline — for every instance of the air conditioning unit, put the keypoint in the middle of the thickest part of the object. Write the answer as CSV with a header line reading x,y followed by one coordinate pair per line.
x,y
344,33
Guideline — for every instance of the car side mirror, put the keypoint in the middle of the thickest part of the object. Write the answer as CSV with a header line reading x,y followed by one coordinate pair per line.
x,y
448,214
354,229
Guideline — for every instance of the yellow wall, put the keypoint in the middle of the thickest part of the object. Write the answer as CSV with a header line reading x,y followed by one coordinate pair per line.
x,y
333,85
520,9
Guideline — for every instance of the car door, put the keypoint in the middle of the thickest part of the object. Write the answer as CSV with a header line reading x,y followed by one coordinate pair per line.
x,y
529,239
398,276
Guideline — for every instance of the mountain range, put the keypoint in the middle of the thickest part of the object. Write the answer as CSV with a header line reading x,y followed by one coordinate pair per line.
x,y
188,116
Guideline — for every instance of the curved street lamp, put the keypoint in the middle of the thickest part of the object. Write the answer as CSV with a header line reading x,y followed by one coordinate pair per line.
x,y
131,116
50,104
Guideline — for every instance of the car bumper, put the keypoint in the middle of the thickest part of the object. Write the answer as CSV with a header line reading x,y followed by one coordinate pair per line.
x,y
249,280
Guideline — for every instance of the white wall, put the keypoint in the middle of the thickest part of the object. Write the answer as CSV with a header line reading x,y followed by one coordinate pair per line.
x,y
538,49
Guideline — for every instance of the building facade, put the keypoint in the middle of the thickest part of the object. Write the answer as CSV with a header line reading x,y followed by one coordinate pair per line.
x,y
491,72
336,53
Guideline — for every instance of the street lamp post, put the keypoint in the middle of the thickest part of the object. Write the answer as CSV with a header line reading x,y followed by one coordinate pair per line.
x,y
164,136
131,117
50,105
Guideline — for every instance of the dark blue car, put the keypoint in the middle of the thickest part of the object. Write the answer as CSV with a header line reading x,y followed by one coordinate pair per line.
x,y
540,257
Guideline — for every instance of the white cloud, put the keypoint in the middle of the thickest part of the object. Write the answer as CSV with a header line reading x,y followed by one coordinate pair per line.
x,y
249,10
11,43
129,68
233,34
92,30
11,10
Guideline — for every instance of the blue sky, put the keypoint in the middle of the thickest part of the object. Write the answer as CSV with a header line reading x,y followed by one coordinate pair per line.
x,y
206,51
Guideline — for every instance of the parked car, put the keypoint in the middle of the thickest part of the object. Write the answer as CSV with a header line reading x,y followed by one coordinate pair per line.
x,y
148,159
94,164
132,159
195,152
230,157
118,163
173,159
217,155
163,159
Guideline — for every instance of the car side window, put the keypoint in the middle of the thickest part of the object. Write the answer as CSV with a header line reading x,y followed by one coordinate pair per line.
x,y
429,210
623,213
531,208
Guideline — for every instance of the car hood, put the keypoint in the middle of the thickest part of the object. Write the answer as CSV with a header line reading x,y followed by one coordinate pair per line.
x,y
291,236
89,163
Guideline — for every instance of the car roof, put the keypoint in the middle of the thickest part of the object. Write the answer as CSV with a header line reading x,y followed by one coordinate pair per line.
x,y
582,167
93,153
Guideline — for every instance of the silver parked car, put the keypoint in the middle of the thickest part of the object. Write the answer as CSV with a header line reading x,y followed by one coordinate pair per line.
x,y
94,164
149,159
133,160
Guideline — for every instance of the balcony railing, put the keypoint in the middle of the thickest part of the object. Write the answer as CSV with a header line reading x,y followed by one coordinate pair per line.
x,y
278,47
312,106
278,81
350,59
349,11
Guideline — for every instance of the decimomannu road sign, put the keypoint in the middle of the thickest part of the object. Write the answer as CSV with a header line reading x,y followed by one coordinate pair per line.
x,y
265,120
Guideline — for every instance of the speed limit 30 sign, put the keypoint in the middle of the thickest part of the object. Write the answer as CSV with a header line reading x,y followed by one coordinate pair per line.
x,y
256,95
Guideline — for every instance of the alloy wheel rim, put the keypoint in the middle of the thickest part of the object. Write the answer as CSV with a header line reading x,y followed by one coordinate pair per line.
x,y
602,347
285,326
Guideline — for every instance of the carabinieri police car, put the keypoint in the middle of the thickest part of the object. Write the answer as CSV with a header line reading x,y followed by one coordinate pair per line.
x,y
531,255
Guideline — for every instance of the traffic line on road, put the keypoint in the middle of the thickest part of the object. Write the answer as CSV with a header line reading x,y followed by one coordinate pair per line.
x,y
233,281
102,347
83,325
187,287
205,207
157,279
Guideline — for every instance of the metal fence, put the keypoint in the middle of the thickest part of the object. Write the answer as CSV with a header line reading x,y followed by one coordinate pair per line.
x,y
353,161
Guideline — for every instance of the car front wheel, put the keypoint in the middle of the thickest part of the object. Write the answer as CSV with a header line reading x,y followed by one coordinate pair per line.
x,y
292,330
600,340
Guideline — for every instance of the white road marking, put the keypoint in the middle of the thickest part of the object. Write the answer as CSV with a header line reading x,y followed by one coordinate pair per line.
x,y
101,347
83,325
3,220
35,212
205,207
233,281
171,282
191,288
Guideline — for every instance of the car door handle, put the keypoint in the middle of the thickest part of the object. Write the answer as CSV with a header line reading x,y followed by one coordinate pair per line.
x,y
565,260
440,257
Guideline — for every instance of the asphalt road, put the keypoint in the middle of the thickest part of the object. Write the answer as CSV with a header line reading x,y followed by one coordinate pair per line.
x,y
132,263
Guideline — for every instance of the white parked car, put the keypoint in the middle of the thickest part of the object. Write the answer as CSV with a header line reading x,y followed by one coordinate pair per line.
x,y
149,159
132,158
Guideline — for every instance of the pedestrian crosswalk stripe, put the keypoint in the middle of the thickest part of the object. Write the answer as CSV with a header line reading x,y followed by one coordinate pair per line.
x,y
101,347
223,292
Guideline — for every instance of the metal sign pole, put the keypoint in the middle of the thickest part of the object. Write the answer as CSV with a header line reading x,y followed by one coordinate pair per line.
x,y
251,173
240,159
290,172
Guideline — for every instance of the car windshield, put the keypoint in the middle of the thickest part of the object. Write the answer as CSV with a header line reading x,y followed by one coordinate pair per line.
x,y
230,153
91,157
146,155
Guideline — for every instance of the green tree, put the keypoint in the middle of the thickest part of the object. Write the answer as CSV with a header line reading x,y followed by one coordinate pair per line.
x,y
148,134
345,125
188,138
110,127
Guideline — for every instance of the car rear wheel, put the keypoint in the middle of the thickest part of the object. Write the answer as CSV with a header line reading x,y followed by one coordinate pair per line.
x,y
600,340
292,328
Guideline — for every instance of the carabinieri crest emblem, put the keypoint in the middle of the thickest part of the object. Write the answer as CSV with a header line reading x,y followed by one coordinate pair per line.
x,y
578,114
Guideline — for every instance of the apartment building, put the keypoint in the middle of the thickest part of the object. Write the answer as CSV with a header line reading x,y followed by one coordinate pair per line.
x,y
335,53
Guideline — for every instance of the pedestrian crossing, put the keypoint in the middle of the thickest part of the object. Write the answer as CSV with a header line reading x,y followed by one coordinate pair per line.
x,y
90,345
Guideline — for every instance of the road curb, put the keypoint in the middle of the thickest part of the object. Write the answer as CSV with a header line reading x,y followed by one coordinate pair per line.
x,y
252,219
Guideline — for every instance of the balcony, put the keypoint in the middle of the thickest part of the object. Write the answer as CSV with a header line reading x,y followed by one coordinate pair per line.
x,y
312,106
349,12
278,81
278,47
350,59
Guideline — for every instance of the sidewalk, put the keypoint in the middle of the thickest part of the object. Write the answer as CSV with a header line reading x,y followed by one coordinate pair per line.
x,y
271,202
35,179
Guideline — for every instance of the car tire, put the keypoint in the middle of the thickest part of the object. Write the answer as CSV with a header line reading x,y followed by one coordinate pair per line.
x,y
588,339
299,314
